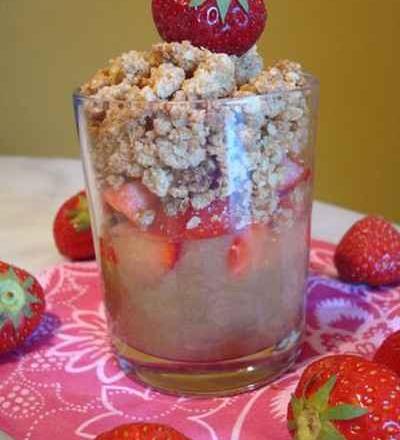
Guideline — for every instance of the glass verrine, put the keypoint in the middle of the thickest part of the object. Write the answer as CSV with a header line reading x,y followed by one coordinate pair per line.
x,y
201,216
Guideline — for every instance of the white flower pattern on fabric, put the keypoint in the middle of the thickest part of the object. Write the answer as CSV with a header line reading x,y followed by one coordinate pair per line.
x,y
85,343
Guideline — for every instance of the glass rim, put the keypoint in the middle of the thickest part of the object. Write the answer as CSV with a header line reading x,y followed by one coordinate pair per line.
x,y
312,84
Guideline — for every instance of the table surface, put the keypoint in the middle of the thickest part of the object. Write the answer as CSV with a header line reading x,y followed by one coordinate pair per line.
x,y
31,190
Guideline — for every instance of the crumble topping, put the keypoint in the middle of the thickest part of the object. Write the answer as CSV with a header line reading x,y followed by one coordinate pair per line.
x,y
158,117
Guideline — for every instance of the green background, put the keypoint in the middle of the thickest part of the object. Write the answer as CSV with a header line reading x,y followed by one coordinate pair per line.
x,y
48,47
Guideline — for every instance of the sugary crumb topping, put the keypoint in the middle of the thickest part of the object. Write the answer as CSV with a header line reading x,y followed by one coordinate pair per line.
x,y
158,116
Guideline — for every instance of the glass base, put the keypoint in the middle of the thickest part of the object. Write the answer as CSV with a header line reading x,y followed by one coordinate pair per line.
x,y
216,379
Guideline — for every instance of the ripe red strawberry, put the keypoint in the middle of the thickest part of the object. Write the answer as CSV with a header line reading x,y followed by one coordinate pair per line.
x,y
142,431
71,229
389,353
346,397
21,306
227,26
370,253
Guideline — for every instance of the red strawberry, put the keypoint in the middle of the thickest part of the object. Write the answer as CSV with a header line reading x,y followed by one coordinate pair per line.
x,y
249,250
131,199
21,306
389,353
228,26
294,173
141,254
71,229
346,397
142,431
370,253
172,227
212,221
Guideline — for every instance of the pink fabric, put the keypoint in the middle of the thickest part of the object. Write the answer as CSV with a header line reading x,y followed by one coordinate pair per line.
x,y
65,383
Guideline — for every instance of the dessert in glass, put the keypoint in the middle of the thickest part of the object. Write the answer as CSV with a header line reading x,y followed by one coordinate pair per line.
x,y
199,167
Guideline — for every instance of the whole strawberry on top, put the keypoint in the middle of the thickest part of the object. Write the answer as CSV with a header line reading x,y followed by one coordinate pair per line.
x,y
72,230
142,431
226,26
21,306
389,353
346,398
370,253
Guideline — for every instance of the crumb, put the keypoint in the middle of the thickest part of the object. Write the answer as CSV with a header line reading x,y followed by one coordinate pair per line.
x,y
135,66
183,55
193,223
214,78
157,181
248,66
146,218
166,79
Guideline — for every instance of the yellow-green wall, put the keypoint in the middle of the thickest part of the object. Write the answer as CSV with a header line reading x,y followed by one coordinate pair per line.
x,y
47,47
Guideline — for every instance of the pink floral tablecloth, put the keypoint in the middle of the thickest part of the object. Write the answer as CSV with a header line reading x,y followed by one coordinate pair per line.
x,y
65,384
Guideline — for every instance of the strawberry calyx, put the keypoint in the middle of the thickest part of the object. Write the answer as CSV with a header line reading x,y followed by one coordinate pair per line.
x,y
313,416
15,299
223,6
80,217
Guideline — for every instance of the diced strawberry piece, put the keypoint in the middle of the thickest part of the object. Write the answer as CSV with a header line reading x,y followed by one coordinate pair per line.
x,y
212,221
107,251
249,250
295,172
131,199
172,227
141,254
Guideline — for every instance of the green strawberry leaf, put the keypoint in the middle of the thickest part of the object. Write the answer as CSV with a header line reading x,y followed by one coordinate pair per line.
x,y
245,5
27,312
223,6
196,3
28,283
329,432
320,399
297,406
344,412
3,320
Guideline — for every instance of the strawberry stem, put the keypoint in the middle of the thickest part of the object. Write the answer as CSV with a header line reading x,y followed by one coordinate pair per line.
x,y
308,425
313,416
80,217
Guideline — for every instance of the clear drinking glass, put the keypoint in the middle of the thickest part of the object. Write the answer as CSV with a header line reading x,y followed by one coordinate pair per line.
x,y
201,216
